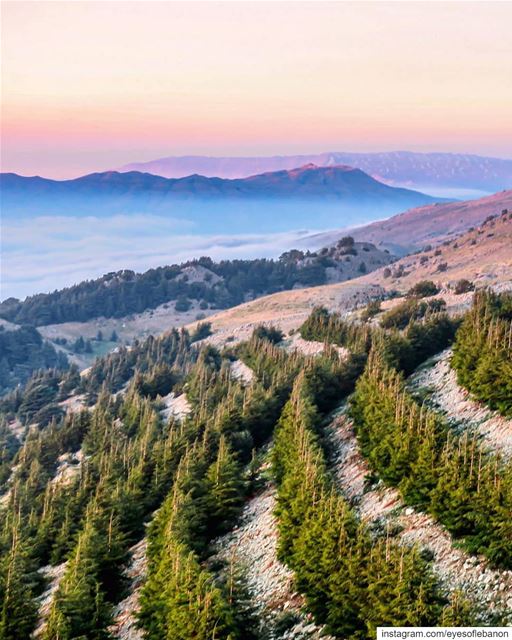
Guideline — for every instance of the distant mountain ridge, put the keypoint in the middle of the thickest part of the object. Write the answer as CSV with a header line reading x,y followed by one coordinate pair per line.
x,y
114,192
401,168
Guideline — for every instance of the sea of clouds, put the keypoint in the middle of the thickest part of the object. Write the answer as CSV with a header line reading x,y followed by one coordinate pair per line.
x,y
47,253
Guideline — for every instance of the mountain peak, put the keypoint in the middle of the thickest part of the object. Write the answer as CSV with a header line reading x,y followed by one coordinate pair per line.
x,y
334,190
438,171
311,166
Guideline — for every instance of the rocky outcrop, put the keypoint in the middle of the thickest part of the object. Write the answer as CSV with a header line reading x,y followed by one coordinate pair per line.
x,y
240,371
198,273
177,407
53,575
69,465
310,347
73,404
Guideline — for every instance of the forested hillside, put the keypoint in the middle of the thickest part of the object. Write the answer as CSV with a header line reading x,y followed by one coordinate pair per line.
x,y
23,351
482,353
93,464
216,285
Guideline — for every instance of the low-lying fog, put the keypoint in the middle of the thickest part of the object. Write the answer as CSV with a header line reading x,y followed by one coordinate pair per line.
x,y
47,253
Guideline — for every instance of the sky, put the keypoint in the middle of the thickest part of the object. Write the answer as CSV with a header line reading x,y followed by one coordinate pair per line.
x,y
88,86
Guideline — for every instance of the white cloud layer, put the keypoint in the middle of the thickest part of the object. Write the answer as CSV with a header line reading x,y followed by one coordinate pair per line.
x,y
47,253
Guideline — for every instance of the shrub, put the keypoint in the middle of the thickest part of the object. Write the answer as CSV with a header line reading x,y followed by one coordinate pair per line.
x,y
399,317
347,241
272,334
371,310
399,272
202,330
182,304
423,289
463,286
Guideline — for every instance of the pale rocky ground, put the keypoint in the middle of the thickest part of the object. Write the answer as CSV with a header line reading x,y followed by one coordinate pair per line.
x,y
433,223
54,575
6,496
69,466
17,428
437,382
198,273
137,325
482,256
240,371
73,404
252,546
287,310
175,406
455,568
309,347
125,621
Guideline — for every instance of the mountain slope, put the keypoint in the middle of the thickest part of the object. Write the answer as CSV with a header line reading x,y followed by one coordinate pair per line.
x,y
483,256
86,485
416,170
209,284
432,224
113,192
428,224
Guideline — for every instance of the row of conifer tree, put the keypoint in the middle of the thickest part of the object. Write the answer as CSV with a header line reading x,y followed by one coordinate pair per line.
x,y
450,476
482,353
194,476
353,578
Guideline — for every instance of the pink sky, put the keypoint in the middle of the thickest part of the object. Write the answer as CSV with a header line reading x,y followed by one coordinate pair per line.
x,y
92,85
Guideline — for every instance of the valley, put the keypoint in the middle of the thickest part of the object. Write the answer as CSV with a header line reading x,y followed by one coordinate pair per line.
x,y
205,422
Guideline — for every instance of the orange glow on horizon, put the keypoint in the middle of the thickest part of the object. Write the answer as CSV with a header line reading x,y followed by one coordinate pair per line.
x,y
92,85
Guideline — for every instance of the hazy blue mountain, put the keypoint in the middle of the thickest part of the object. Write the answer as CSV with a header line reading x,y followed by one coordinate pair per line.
x,y
452,174
310,197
